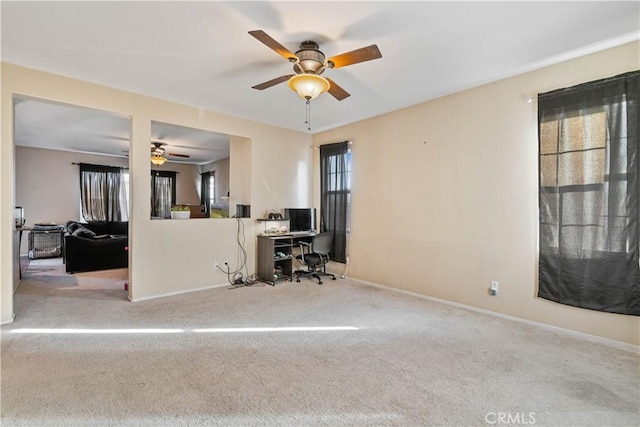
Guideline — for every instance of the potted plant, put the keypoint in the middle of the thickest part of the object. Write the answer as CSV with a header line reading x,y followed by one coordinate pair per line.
x,y
180,212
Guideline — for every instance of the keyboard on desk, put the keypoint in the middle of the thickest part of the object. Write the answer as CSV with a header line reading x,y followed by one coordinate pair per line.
x,y
302,233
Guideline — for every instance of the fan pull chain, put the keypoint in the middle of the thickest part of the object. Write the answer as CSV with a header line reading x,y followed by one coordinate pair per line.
x,y
308,115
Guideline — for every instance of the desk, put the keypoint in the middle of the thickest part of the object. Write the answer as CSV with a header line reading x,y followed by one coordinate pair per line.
x,y
275,256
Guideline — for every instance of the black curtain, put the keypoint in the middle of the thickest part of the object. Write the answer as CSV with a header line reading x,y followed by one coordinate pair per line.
x,y
102,193
588,164
163,193
205,194
334,196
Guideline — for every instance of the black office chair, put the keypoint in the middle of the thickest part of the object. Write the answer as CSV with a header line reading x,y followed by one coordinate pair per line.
x,y
315,256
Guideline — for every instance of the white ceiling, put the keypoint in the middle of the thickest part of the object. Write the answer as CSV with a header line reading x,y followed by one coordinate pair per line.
x,y
200,53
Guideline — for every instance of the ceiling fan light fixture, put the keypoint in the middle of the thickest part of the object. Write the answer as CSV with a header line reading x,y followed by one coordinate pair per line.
x,y
158,160
309,86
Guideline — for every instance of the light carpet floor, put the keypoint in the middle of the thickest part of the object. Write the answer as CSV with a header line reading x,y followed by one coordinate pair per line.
x,y
236,357
47,277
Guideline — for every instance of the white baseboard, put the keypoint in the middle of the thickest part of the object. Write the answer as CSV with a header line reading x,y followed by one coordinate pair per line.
x,y
170,294
593,338
6,322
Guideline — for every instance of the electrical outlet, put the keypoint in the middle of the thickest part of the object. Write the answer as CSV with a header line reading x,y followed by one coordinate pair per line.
x,y
221,265
493,290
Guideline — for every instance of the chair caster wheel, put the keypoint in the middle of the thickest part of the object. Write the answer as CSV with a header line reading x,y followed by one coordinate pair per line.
x,y
298,280
333,277
320,282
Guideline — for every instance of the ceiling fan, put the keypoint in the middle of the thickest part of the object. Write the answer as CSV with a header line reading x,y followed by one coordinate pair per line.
x,y
158,153
309,62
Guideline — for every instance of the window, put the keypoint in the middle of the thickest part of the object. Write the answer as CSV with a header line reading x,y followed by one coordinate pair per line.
x,y
572,161
348,190
207,191
163,193
588,165
125,183
335,197
103,193
212,190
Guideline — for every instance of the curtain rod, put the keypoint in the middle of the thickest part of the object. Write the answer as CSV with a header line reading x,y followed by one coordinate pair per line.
x,y
317,147
338,142
119,167
103,166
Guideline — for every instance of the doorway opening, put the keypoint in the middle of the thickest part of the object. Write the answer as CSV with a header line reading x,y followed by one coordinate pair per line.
x,y
51,140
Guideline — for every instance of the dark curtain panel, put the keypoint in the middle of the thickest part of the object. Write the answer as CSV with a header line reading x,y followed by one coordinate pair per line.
x,y
334,196
102,193
205,193
589,234
163,193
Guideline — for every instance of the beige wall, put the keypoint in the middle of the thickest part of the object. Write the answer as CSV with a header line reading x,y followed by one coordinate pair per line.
x,y
445,196
162,256
47,184
187,182
221,170
240,188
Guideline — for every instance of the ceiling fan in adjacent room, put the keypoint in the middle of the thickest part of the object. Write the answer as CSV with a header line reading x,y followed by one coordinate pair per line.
x,y
309,62
158,153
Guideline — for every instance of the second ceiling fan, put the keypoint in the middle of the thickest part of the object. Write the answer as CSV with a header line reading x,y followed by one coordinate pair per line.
x,y
308,62
158,153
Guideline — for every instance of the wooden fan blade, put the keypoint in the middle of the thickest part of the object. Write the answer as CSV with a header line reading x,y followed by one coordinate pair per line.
x,y
271,43
355,56
273,82
178,155
336,91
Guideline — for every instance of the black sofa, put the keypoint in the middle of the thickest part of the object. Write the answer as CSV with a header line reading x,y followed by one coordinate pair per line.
x,y
95,246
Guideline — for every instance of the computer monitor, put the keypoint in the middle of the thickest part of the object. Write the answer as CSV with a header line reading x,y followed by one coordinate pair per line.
x,y
301,219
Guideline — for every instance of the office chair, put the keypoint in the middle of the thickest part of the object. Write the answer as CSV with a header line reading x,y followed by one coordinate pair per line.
x,y
315,257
